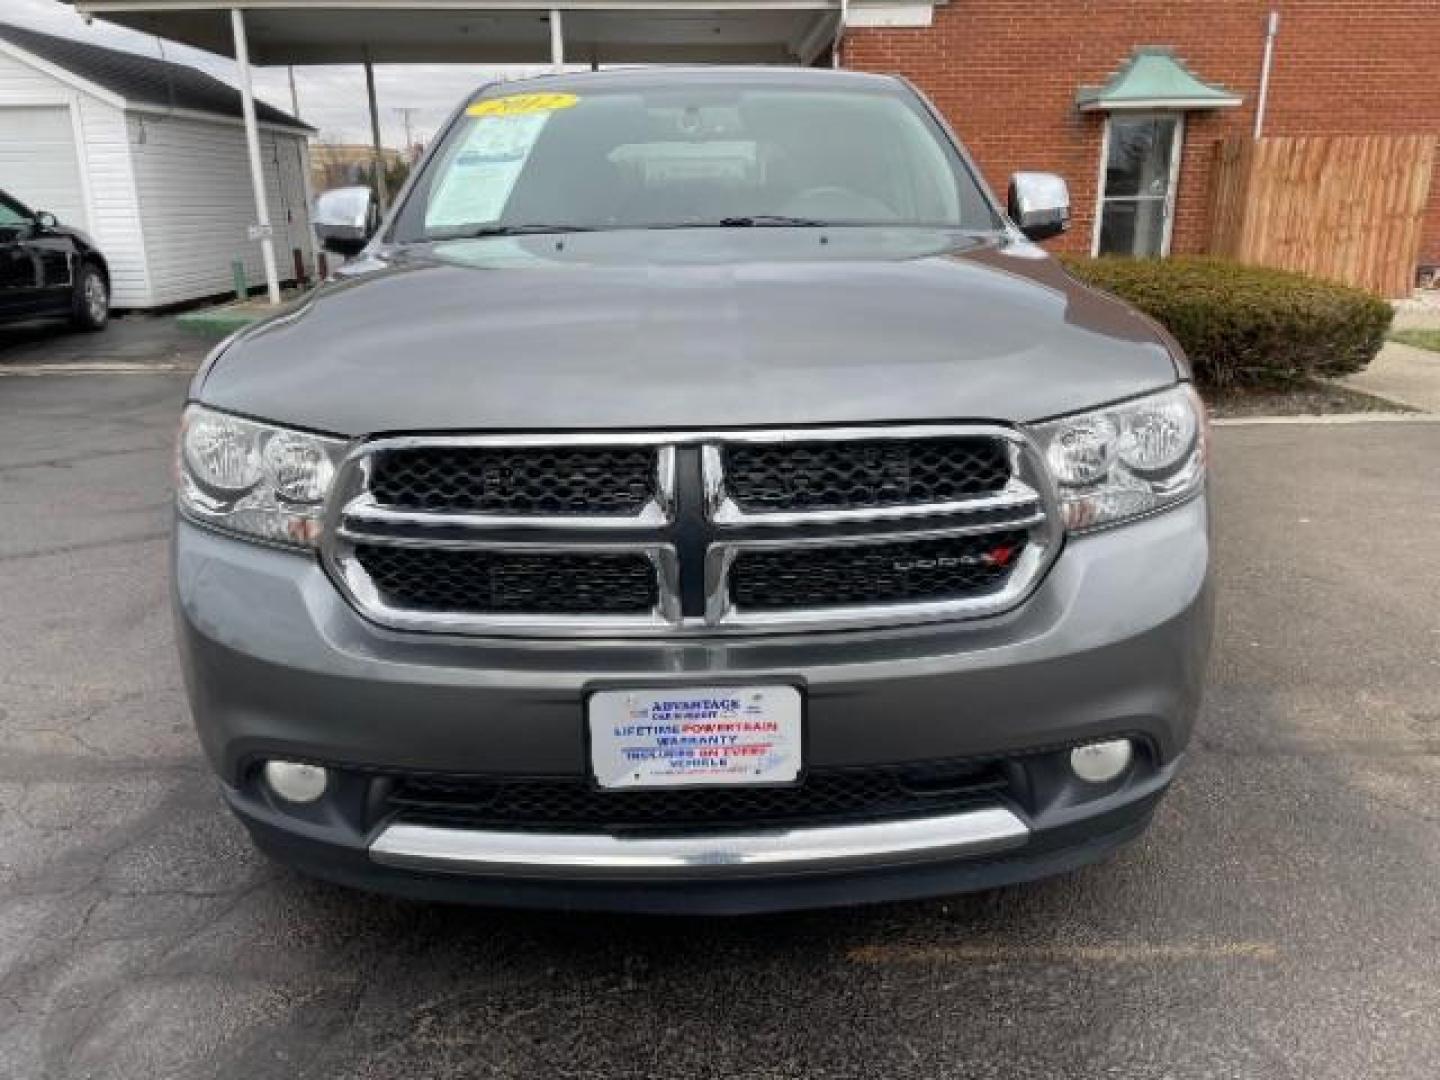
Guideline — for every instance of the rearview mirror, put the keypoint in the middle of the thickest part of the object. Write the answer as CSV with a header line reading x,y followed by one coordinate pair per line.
x,y
345,219
1039,203
46,221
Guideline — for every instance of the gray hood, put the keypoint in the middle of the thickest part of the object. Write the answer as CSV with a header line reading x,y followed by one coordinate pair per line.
x,y
692,329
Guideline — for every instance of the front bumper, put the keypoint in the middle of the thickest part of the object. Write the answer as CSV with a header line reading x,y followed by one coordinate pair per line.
x,y
1113,642
1070,840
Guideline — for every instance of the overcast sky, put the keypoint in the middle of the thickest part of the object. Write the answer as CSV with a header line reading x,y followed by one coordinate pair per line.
x,y
332,98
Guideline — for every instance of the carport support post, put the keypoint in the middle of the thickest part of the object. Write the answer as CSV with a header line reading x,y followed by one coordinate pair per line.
x,y
557,42
252,141
382,189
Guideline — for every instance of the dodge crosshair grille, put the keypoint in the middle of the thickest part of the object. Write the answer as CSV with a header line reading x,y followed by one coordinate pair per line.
x,y
864,474
657,534
554,480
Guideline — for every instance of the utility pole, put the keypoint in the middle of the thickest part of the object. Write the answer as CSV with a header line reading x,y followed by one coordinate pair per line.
x,y
294,97
382,188
406,112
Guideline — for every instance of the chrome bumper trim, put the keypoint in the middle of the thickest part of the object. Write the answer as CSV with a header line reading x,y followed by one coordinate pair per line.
x,y
604,855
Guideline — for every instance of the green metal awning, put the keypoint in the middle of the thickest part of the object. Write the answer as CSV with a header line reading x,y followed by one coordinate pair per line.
x,y
1155,78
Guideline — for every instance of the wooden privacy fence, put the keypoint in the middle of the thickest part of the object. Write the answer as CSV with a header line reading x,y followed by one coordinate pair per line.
x,y
1349,209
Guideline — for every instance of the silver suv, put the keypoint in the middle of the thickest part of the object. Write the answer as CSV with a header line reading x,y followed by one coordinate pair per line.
x,y
698,495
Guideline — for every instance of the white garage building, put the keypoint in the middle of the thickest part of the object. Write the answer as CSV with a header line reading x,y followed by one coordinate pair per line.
x,y
149,158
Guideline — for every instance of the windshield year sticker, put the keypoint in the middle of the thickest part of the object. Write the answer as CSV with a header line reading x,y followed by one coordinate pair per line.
x,y
522,104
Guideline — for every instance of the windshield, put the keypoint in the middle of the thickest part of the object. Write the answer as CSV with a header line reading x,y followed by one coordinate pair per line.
x,y
708,154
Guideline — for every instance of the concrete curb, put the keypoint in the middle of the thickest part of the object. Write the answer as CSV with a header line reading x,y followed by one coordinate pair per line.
x,y
118,367
1331,419
224,319
216,322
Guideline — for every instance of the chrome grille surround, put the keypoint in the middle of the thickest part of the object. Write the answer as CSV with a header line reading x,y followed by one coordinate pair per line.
x,y
700,525
361,505
522,481
577,581
814,476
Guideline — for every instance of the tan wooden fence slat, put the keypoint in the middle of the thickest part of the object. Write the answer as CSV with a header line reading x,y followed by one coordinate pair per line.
x,y
1345,208
1228,207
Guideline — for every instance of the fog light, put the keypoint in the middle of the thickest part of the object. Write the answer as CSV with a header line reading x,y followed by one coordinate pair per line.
x,y
1099,763
295,782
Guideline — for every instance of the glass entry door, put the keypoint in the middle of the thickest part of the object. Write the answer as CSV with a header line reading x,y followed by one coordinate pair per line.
x,y
1142,155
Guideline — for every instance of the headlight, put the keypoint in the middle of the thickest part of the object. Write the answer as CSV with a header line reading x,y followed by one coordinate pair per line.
x,y
1126,460
254,479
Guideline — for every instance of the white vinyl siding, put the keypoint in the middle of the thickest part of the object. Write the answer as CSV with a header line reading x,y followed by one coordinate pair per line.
x,y
193,178
38,162
167,198
115,221
103,184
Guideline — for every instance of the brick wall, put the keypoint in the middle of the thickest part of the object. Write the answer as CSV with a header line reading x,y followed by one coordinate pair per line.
x,y
1005,74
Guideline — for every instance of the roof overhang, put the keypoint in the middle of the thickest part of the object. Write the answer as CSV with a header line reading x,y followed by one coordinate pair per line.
x,y
164,112
509,31
1154,78
87,86
62,74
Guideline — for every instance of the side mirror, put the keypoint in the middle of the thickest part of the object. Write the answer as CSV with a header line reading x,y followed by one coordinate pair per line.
x,y
1039,203
345,219
45,221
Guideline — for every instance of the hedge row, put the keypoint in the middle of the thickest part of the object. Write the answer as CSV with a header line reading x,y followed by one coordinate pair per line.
x,y
1248,325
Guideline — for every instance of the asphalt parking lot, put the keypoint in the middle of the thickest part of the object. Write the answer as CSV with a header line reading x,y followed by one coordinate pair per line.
x,y
1280,920
129,342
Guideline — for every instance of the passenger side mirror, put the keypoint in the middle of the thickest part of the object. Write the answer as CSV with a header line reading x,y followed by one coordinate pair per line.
x,y
1039,203
345,219
45,221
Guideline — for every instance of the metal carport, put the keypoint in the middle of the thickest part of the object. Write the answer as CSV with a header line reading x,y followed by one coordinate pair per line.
x,y
492,32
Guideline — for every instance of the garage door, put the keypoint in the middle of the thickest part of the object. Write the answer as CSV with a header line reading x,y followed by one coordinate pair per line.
x,y
37,160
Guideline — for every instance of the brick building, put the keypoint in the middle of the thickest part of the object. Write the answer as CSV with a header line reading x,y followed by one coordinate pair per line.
x,y
1009,74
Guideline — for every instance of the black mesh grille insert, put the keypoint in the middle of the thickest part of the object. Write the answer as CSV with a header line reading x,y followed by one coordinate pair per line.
x,y
823,796
858,475
559,480
504,582
913,571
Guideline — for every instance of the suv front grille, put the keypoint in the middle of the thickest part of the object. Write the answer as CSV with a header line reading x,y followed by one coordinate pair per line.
x,y
530,480
844,574
863,474
655,534
823,796
508,582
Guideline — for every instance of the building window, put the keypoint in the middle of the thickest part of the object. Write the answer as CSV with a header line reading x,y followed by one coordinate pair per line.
x,y
1139,168
1144,103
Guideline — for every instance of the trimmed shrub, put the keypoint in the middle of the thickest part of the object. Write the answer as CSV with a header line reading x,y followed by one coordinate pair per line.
x,y
1248,325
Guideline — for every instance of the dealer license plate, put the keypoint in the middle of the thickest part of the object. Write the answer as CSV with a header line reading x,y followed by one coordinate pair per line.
x,y
696,735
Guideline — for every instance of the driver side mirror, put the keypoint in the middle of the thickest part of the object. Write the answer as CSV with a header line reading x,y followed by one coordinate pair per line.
x,y
1039,203
345,219
45,221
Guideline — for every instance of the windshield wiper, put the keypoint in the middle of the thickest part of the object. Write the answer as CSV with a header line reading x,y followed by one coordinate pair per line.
x,y
483,231
747,221
761,221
